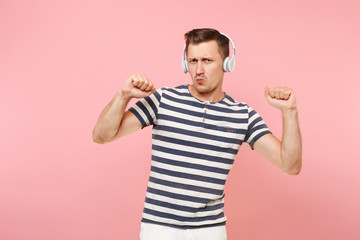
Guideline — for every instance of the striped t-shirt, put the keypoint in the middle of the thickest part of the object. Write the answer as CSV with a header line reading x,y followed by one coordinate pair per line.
x,y
194,144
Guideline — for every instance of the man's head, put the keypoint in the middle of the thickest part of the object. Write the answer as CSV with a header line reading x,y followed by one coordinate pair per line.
x,y
206,50
206,34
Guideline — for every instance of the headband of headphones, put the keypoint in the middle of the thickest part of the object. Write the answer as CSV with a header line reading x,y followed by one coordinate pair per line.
x,y
228,64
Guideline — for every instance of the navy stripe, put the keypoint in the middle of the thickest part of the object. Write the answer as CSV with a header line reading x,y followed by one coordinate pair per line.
x,y
232,100
190,165
201,135
226,119
184,208
192,155
138,116
201,114
187,94
199,124
178,196
252,130
252,113
187,176
157,94
183,219
181,110
261,126
179,120
186,186
255,121
152,105
173,90
227,110
201,104
184,86
256,138
186,102
194,144
145,111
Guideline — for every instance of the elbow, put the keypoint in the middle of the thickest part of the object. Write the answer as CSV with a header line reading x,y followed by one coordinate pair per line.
x,y
293,169
99,141
97,138
293,172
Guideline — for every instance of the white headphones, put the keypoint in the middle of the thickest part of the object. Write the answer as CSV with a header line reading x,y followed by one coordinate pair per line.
x,y
228,65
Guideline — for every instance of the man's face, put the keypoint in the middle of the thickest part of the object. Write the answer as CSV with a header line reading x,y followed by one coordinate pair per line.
x,y
205,67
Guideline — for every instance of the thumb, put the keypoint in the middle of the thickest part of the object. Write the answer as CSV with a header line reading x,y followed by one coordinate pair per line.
x,y
153,90
267,94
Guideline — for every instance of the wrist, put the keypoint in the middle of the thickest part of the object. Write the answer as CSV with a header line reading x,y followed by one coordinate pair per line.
x,y
124,95
290,112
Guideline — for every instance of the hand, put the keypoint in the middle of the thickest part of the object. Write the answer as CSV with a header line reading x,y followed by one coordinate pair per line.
x,y
282,98
137,85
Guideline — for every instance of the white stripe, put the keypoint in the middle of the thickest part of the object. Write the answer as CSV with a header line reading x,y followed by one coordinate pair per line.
x,y
185,137
184,202
208,110
196,150
181,115
257,132
187,181
234,106
183,191
175,201
204,130
183,213
179,223
202,173
191,160
141,113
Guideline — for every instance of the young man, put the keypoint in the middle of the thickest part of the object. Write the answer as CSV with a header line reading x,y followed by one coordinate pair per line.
x,y
197,132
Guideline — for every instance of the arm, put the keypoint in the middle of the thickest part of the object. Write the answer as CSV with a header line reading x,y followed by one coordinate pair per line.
x,y
287,153
114,122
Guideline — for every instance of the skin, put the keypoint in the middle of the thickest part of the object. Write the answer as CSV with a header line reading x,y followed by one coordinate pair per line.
x,y
287,153
113,122
205,68
206,71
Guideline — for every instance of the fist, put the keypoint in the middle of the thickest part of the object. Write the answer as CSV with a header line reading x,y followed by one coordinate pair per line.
x,y
282,98
137,85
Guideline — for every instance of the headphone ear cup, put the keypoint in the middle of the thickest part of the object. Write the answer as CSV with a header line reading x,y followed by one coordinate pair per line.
x,y
226,64
231,64
185,66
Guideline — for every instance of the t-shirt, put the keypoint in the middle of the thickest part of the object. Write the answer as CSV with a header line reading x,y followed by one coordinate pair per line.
x,y
194,144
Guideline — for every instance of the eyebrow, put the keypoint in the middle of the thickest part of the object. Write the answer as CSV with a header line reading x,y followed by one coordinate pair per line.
x,y
204,58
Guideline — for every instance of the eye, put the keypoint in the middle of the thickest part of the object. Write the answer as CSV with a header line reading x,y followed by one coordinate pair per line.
x,y
193,60
207,60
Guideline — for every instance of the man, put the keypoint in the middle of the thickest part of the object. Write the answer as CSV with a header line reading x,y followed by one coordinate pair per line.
x,y
197,132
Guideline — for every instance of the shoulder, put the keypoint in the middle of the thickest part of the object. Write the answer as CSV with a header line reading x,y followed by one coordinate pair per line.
x,y
179,89
177,92
229,103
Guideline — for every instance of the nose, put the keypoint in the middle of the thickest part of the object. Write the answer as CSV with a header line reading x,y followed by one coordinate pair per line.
x,y
200,68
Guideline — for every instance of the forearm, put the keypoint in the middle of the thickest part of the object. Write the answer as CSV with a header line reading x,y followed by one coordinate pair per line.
x,y
291,143
110,118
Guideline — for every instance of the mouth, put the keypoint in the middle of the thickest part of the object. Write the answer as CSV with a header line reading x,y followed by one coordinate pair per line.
x,y
200,80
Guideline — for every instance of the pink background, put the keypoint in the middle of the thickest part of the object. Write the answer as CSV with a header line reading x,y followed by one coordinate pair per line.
x,y
61,62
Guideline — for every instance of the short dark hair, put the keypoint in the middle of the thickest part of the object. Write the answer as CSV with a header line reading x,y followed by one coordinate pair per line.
x,y
207,34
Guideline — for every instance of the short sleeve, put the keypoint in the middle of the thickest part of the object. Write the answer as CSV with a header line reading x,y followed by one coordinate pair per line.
x,y
256,128
146,109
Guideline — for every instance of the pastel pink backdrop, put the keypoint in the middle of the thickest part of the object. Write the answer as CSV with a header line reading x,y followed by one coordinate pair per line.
x,y
61,62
